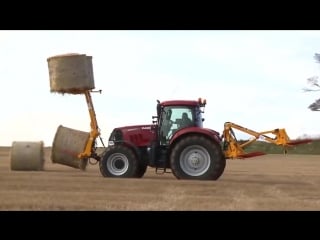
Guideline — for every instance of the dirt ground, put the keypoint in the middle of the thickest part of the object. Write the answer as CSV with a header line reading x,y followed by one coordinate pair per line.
x,y
270,182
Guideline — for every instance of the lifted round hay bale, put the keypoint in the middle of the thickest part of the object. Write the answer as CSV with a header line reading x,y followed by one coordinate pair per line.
x,y
27,156
67,145
71,73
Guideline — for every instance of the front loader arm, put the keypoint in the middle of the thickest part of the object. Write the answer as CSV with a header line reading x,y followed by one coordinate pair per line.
x,y
235,149
94,133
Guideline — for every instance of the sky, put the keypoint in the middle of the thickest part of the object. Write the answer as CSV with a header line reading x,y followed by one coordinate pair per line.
x,y
252,78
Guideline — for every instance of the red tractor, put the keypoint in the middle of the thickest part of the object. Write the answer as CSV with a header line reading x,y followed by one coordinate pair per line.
x,y
176,140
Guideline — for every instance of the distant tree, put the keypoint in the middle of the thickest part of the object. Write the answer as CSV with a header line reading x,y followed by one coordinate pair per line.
x,y
315,86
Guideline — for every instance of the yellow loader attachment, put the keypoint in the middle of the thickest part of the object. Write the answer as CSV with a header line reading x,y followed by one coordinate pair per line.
x,y
234,149
94,133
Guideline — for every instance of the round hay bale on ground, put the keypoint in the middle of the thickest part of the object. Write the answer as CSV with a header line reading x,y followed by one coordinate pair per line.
x,y
67,145
27,156
71,73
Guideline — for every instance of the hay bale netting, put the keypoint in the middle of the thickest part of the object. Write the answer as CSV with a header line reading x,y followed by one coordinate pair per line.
x,y
71,73
67,145
27,156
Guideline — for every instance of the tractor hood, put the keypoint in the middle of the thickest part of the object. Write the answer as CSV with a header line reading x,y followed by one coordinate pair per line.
x,y
139,135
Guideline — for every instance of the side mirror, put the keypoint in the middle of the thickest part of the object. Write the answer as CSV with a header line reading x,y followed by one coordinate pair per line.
x,y
158,108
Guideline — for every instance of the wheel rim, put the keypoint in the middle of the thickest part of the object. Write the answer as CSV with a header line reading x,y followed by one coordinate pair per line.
x,y
195,160
117,164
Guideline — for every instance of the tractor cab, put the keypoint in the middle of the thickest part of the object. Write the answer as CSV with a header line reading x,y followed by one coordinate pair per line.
x,y
176,115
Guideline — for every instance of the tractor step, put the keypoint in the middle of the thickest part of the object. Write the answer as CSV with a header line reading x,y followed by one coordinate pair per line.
x,y
161,171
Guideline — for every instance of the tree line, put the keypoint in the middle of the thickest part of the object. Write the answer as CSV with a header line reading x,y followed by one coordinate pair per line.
x,y
314,86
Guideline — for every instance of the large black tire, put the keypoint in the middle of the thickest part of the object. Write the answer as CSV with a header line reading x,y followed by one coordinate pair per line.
x,y
119,161
196,157
142,170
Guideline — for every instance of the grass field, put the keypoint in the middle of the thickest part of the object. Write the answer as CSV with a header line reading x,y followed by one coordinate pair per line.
x,y
270,182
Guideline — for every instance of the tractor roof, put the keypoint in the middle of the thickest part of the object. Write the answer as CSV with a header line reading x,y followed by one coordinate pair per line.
x,y
180,103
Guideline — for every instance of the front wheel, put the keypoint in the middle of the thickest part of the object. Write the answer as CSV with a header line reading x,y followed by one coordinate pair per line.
x,y
119,161
196,157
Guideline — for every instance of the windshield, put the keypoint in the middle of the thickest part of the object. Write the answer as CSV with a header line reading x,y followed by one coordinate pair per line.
x,y
174,118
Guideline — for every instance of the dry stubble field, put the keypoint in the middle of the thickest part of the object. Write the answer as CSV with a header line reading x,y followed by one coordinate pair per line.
x,y
270,182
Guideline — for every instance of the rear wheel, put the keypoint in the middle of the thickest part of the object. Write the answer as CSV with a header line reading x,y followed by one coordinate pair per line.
x,y
121,162
196,157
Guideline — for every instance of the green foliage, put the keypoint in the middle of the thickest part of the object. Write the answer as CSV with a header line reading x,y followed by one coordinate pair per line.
x,y
312,148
